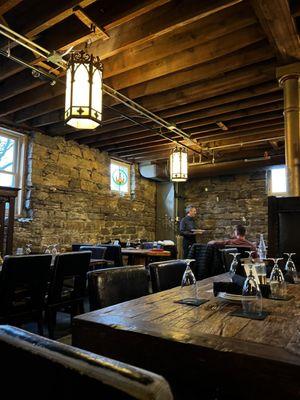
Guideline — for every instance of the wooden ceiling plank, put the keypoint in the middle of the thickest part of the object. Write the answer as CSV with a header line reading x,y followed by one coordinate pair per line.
x,y
186,127
7,5
159,22
190,57
139,137
191,73
202,31
276,20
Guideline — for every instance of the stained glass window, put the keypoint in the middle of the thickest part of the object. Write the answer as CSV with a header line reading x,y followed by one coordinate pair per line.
x,y
120,177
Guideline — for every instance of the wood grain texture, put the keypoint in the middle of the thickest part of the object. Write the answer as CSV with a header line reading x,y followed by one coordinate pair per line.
x,y
154,332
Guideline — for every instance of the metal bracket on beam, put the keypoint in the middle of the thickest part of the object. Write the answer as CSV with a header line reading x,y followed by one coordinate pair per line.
x,y
82,15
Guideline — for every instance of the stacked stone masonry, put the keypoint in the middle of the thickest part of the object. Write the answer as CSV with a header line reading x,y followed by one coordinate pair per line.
x,y
225,201
68,198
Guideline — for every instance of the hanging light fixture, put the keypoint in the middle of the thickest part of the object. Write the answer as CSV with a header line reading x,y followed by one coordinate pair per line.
x,y
179,165
83,103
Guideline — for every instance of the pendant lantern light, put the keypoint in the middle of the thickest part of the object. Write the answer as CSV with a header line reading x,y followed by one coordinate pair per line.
x,y
179,165
83,103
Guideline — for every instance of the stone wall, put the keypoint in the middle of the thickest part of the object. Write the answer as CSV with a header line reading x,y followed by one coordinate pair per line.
x,y
68,198
226,201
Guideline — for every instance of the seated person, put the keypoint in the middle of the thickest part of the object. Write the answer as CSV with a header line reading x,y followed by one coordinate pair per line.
x,y
238,240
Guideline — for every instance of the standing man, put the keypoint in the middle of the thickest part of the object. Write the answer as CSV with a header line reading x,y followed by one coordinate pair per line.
x,y
188,229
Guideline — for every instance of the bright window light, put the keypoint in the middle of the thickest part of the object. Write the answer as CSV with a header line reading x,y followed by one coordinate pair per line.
x,y
12,148
278,180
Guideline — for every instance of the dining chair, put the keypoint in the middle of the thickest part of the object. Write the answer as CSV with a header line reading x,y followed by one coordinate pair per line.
x,y
45,368
113,253
67,267
76,246
23,284
165,275
116,285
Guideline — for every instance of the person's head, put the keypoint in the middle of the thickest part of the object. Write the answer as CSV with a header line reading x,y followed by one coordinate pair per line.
x,y
240,231
191,211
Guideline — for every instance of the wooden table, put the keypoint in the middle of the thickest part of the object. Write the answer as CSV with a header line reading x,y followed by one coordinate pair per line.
x,y
143,256
202,350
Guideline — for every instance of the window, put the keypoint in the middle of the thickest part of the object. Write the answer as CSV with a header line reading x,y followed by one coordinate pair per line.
x,y
278,180
119,177
12,161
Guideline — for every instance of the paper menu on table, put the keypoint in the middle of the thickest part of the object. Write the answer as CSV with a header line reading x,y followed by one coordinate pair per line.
x,y
254,273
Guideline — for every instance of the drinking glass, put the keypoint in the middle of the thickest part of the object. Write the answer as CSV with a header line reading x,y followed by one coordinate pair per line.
x,y
19,251
188,278
252,298
260,268
47,251
291,268
277,282
28,249
128,243
250,255
54,250
234,264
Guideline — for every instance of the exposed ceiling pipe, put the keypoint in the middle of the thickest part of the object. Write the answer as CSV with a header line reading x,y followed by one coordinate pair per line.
x,y
225,146
58,60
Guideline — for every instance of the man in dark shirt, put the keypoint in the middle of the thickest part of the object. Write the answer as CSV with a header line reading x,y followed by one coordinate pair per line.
x,y
188,229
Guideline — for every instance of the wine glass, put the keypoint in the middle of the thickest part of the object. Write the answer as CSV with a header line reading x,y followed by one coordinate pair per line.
x,y
188,278
28,249
250,255
54,250
291,268
128,243
277,282
252,298
47,251
234,264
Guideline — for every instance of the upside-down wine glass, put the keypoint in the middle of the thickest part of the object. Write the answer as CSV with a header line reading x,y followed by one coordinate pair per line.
x,y
234,264
277,282
252,298
188,278
28,249
291,268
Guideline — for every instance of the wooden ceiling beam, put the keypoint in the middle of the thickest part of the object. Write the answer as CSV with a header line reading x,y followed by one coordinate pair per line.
x,y
214,26
160,21
139,137
7,5
229,82
191,57
195,73
116,130
276,20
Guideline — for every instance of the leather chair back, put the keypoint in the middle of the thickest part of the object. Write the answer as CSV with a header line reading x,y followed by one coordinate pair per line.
x,y
98,252
76,246
227,257
116,285
74,265
23,274
56,371
167,274
113,253
208,260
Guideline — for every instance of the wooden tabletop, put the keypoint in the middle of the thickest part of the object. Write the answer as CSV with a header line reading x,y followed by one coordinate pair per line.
x,y
146,252
225,344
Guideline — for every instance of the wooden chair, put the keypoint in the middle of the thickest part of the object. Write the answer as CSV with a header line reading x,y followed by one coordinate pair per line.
x,y
71,267
23,287
115,285
42,367
113,253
